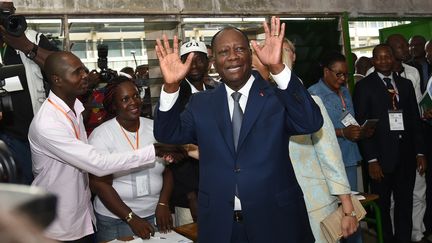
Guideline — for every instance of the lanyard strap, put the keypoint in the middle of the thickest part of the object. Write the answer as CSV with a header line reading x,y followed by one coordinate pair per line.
x,y
76,130
127,138
342,100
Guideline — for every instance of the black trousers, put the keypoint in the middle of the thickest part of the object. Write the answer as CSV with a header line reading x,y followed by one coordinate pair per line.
x,y
85,239
400,183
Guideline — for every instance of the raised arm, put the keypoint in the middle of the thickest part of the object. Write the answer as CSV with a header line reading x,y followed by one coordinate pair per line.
x,y
173,70
23,44
270,53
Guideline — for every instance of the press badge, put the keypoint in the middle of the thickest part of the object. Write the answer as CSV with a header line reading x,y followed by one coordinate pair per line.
x,y
141,183
396,120
347,119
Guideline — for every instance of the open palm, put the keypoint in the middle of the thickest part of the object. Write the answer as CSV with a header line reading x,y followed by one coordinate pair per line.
x,y
270,52
173,69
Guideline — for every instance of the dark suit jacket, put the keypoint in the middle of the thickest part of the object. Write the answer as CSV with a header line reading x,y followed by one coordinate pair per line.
x,y
371,101
272,201
185,172
419,68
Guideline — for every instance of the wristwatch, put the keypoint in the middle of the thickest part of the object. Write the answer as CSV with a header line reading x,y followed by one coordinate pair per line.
x,y
352,214
32,53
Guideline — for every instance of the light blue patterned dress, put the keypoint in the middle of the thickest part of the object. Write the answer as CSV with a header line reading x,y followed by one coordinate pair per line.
x,y
320,171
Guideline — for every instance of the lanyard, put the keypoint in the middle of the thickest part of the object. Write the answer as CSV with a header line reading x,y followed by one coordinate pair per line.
x,y
342,100
130,143
76,130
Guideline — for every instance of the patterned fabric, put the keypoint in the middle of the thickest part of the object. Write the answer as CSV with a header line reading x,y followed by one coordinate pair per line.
x,y
319,169
332,102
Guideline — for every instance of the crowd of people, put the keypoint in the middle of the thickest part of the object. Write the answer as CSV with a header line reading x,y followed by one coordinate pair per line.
x,y
254,157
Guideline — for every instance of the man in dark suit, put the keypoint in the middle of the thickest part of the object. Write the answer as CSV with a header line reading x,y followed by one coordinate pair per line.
x,y
248,191
186,173
395,150
418,59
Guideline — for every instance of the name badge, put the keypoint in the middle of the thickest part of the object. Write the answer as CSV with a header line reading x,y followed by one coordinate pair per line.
x,y
347,119
141,183
396,120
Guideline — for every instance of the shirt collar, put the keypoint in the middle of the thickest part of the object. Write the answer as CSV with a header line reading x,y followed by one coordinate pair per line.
x,y
78,106
244,91
193,89
382,76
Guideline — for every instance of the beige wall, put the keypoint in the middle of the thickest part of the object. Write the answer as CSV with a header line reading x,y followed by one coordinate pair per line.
x,y
356,8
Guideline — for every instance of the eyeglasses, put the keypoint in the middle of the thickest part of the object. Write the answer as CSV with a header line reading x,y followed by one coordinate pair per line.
x,y
339,74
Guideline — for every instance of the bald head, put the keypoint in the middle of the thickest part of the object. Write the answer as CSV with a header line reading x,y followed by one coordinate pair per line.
x,y
362,65
400,47
417,46
56,64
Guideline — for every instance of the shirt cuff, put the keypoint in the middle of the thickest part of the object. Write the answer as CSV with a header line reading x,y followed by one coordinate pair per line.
x,y
282,79
167,100
373,160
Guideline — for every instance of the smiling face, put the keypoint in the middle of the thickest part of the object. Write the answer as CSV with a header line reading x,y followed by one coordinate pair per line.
x,y
127,102
233,58
383,59
198,68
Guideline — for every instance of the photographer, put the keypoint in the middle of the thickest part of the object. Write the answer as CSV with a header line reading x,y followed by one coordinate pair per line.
x,y
31,49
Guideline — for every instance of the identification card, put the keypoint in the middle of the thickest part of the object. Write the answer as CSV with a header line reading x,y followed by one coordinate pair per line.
x,y
396,120
347,119
141,183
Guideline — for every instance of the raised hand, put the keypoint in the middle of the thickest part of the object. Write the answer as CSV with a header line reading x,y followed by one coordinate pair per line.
x,y
173,69
270,53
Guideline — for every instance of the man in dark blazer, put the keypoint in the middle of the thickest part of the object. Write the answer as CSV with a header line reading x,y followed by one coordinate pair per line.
x,y
248,191
186,172
395,150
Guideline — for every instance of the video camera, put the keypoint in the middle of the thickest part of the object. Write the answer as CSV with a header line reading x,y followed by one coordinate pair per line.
x,y
6,72
14,24
106,74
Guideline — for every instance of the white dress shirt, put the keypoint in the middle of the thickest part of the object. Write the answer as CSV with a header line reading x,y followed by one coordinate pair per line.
x,y
61,159
167,100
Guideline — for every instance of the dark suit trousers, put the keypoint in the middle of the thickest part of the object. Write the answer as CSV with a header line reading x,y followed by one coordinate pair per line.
x,y
238,234
401,184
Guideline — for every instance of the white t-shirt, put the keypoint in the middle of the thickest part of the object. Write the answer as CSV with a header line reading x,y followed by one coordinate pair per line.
x,y
109,137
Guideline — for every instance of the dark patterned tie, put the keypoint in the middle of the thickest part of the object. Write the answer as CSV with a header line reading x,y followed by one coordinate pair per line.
x,y
237,118
392,93
389,85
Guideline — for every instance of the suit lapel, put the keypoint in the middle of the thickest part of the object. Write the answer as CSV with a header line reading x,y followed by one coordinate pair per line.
x,y
222,116
258,95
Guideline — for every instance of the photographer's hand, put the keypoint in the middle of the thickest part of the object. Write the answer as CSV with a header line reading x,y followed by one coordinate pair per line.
x,y
23,44
173,70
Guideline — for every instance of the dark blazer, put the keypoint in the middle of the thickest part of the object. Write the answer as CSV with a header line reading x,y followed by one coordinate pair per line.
x,y
272,201
371,101
185,172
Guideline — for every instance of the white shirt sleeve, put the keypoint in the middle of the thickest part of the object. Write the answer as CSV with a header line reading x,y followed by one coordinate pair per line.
x,y
57,143
167,100
282,79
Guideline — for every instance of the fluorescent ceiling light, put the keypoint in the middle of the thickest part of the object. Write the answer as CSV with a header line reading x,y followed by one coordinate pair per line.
x,y
43,21
220,20
111,20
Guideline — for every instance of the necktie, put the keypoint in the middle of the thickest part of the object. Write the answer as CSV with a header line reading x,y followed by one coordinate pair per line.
x,y
389,85
392,92
236,118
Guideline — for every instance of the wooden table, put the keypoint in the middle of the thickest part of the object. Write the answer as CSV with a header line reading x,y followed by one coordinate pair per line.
x,y
189,231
